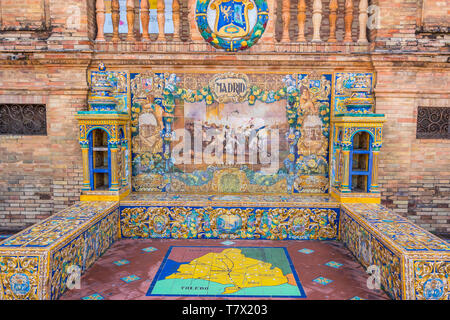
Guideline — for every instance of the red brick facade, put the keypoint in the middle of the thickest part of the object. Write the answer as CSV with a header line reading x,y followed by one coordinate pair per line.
x,y
46,51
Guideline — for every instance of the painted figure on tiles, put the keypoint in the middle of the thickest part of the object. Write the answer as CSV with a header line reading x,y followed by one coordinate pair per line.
x,y
307,106
150,126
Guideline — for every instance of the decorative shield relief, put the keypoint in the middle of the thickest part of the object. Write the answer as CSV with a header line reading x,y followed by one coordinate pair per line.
x,y
232,25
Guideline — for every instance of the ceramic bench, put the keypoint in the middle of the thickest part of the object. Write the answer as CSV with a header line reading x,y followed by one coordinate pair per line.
x,y
413,263
35,263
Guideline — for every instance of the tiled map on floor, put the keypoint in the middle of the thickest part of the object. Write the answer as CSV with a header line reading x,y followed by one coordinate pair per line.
x,y
232,271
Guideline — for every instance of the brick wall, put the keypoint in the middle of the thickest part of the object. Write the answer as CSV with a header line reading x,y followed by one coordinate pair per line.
x,y
435,13
398,20
414,173
40,175
29,15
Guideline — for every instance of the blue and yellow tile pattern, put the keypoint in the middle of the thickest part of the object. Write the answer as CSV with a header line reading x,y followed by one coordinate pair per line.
x,y
36,263
413,263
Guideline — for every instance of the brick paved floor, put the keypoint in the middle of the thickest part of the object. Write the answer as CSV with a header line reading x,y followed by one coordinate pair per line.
x,y
126,271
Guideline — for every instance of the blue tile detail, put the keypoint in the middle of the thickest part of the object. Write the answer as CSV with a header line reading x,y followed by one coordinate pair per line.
x,y
306,251
121,262
94,296
334,264
322,280
227,243
130,278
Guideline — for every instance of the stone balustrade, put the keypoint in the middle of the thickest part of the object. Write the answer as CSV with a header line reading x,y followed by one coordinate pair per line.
x,y
293,26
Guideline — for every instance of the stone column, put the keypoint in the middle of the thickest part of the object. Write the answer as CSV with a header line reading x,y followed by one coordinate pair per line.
x,y
160,16
130,20
337,165
145,18
194,33
348,20
124,163
100,17
363,17
115,16
374,177
176,20
346,169
317,19
333,18
286,14
114,172
301,18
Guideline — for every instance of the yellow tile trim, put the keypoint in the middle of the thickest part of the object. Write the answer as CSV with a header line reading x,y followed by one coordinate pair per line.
x,y
100,197
352,198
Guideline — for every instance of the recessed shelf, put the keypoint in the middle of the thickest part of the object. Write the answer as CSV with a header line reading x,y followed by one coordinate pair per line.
x,y
360,162
100,160
359,183
360,166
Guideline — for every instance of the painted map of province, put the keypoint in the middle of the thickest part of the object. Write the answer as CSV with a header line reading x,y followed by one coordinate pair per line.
x,y
231,272
233,268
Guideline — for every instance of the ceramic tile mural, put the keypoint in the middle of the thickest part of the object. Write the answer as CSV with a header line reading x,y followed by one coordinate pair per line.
x,y
37,262
119,81
229,156
230,133
344,82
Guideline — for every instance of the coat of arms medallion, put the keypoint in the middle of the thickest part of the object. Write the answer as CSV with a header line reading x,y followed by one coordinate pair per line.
x,y
232,25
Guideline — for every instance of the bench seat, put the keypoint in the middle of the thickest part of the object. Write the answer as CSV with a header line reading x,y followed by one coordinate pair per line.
x,y
35,263
413,263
